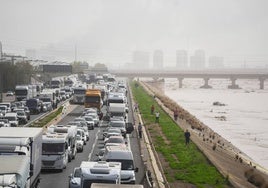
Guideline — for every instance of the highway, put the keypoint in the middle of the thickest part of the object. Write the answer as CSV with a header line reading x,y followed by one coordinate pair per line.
x,y
57,179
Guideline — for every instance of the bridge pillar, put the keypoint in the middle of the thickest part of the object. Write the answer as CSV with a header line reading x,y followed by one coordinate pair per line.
x,y
206,86
233,85
180,82
262,82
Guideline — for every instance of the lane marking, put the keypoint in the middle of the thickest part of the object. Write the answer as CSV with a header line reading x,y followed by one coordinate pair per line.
x,y
93,146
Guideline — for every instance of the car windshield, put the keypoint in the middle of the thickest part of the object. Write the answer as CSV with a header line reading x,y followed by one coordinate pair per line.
x,y
115,140
53,148
125,164
11,118
20,113
117,124
89,118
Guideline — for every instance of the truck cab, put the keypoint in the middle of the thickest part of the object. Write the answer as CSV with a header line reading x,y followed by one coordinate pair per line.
x,y
54,151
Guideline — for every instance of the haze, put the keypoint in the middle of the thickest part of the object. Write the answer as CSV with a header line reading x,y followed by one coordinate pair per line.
x,y
108,31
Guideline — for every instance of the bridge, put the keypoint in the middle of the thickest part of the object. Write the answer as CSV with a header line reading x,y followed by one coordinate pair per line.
x,y
206,74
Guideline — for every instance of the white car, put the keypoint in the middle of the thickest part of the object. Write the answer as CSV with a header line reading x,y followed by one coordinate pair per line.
x,y
90,122
4,123
95,117
79,143
115,141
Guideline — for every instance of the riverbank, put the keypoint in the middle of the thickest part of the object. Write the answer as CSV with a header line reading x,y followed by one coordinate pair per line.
x,y
229,160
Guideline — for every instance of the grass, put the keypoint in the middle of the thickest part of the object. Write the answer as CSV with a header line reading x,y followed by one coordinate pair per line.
x,y
44,121
186,163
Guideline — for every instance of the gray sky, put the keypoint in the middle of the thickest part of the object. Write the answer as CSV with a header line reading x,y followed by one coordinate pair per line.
x,y
108,31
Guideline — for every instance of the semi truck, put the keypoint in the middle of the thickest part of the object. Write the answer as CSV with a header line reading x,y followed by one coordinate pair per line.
x,y
79,95
95,172
93,98
23,92
25,142
14,171
54,151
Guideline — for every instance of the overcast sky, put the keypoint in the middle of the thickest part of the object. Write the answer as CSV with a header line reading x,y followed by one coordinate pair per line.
x,y
109,30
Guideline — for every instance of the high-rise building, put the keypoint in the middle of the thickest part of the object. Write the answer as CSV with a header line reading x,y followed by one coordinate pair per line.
x,y
215,62
140,60
198,60
158,59
181,59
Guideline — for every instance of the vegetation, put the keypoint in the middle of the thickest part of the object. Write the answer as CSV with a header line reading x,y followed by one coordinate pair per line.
x,y
185,163
47,119
13,74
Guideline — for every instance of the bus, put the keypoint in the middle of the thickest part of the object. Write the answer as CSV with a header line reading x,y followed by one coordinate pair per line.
x,y
93,98
79,95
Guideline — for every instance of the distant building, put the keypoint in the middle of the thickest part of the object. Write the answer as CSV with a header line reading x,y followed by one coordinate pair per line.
x,y
198,60
215,62
56,67
140,60
30,53
158,59
181,59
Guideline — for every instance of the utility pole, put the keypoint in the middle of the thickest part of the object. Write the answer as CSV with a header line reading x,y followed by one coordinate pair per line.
x,y
75,53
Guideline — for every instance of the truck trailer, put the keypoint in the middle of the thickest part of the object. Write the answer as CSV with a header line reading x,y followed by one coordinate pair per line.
x,y
26,142
14,171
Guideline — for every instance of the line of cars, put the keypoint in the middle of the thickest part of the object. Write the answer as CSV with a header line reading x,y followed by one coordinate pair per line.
x,y
116,147
13,114
62,142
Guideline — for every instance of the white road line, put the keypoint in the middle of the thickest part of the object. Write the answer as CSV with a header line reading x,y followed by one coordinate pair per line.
x,y
93,146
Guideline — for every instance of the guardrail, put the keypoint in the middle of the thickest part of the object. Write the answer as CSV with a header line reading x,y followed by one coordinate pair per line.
x,y
46,114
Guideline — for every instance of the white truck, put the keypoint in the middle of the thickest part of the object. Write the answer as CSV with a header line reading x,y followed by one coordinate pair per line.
x,y
25,142
54,151
23,92
14,171
117,109
95,172
71,131
48,96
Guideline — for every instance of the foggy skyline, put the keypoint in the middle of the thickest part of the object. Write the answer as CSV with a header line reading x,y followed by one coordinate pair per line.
x,y
108,31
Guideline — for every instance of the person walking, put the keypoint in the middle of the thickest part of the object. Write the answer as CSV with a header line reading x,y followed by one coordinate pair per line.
x,y
140,130
136,106
176,114
152,109
157,115
187,136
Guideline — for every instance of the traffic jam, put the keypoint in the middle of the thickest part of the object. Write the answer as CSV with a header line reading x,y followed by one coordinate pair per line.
x,y
96,118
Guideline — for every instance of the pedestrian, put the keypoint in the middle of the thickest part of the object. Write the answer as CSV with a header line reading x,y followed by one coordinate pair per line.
x,y
157,115
140,130
136,107
152,109
176,114
187,137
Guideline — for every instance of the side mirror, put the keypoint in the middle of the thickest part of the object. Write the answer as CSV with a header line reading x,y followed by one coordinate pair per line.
x,y
70,176
136,169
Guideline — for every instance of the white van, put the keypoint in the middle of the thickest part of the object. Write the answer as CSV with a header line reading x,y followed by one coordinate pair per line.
x,y
124,155
12,118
